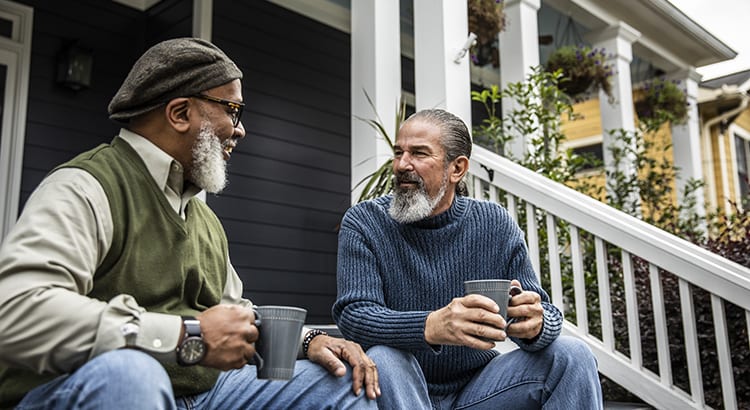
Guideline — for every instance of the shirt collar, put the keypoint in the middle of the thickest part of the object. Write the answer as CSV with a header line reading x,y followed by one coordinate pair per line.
x,y
166,171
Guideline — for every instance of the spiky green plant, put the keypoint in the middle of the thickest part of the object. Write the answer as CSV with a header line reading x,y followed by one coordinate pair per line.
x,y
380,182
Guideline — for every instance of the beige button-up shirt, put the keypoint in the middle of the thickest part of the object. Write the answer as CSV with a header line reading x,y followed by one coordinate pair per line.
x,y
47,265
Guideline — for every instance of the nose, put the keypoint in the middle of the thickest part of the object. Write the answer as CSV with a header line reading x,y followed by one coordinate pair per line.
x,y
239,131
403,162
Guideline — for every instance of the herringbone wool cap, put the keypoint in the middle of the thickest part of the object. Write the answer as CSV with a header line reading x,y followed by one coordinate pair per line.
x,y
173,68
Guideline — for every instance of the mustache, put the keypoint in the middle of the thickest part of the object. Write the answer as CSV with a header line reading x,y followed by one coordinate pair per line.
x,y
409,177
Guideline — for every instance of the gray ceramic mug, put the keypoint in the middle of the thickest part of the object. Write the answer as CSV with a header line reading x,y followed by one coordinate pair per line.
x,y
279,329
499,290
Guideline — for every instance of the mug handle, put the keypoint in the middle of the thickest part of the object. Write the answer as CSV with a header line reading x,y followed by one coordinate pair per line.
x,y
513,291
257,360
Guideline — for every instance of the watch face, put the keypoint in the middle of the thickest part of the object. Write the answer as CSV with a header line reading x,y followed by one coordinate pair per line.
x,y
192,350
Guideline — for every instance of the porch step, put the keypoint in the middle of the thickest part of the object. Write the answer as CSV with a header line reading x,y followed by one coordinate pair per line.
x,y
616,405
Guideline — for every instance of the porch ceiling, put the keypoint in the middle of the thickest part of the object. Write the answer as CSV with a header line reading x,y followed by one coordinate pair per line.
x,y
670,39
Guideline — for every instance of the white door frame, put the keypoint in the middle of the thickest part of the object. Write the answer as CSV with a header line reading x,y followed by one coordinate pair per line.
x,y
15,54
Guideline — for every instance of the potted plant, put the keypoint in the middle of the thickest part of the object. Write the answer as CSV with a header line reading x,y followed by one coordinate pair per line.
x,y
659,100
583,69
486,20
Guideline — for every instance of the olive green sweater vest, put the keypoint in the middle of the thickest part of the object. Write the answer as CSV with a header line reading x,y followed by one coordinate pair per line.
x,y
169,265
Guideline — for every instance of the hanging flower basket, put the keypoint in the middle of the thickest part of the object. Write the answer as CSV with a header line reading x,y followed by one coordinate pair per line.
x,y
661,100
486,20
583,68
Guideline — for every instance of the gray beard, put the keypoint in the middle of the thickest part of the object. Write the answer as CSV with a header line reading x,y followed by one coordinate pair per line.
x,y
209,171
412,205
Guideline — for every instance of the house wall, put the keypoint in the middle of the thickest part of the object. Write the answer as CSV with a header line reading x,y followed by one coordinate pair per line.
x,y
586,124
727,160
716,166
289,182
62,122
743,120
586,128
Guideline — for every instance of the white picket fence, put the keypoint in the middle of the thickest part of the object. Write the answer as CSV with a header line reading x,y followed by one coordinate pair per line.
x,y
576,258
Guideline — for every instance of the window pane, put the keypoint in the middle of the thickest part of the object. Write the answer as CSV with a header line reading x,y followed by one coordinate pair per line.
x,y
6,29
741,148
3,73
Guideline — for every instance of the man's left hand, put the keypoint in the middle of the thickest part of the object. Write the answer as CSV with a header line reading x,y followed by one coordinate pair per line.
x,y
331,352
527,308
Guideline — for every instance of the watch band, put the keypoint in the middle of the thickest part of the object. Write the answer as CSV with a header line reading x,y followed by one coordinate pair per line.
x,y
191,349
192,326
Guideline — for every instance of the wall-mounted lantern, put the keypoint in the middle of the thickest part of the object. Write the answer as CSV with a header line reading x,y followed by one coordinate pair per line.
x,y
74,65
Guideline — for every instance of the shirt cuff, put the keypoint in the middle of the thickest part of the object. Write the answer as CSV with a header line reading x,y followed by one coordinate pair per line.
x,y
159,334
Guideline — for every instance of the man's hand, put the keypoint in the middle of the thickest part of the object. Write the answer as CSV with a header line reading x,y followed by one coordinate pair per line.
x,y
229,334
527,308
330,352
466,321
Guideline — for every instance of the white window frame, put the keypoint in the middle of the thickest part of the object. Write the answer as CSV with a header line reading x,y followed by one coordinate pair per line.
x,y
744,134
15,54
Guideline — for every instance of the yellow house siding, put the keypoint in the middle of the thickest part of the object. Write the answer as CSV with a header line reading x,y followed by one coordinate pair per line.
x,y
743,120
716,166
587,122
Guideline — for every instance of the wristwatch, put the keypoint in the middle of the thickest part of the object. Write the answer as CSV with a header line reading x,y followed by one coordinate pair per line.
x,y
192,349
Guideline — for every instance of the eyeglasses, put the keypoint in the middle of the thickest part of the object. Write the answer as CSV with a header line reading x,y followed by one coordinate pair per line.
x,y
235,107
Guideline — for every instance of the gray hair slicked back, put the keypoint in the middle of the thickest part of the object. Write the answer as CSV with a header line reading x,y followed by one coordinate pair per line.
x,y
454,136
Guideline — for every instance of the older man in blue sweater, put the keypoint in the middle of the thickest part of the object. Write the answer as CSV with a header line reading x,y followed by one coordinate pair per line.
x,y
401,266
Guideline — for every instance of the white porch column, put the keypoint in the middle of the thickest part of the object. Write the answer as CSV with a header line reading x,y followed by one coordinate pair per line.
x,y
441,29
519,52
686,143
375,69
617,42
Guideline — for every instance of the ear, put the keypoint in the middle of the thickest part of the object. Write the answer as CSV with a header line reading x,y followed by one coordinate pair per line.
x,y
177,113
458,169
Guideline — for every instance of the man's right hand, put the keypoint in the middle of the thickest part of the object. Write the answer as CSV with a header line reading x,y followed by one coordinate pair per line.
x,y
464,321
229,333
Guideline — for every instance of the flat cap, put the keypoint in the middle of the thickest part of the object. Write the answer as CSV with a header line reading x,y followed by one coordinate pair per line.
x,y
174,68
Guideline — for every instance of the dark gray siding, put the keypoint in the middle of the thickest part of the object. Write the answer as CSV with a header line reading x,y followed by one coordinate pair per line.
x,y
61,122
289,182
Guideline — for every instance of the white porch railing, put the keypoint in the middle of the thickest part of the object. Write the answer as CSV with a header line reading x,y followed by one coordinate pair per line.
x,y
626,259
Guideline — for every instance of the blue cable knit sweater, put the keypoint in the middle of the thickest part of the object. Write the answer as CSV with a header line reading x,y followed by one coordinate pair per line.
x,y
391,276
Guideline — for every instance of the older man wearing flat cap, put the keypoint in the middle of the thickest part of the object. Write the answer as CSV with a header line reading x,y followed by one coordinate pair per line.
x,y
114,264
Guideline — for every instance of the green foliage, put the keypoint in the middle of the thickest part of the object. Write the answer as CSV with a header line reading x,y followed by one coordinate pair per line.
x,y
661,101
537,109
583,69
380,182
536,114
489,133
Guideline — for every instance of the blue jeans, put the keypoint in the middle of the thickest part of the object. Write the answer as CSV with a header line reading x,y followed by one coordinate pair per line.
x,y
130,379
561,376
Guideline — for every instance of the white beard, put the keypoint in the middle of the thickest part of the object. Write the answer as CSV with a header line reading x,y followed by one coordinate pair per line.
x,y
209,171
411,205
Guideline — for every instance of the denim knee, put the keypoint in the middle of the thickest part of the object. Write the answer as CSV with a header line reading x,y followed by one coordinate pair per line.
x,y
120,379
571,352
135,371
573,349
388,354
402,381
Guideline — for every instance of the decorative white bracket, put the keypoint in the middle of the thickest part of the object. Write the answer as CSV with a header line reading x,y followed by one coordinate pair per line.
x,y
465,49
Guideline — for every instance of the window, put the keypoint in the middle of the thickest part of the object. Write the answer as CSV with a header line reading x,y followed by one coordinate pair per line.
x,y
593,150
742,163
15,55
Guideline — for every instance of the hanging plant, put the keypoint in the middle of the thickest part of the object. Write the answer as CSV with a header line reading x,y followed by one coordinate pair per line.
x,y
659,101
584,69
486,20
